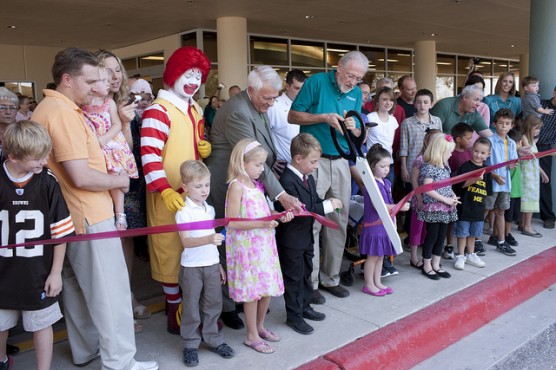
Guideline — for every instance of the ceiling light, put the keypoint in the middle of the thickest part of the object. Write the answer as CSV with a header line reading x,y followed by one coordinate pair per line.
x,y
337,50
434,34
512,46
444,63
309,17
153,57
11,26
389,60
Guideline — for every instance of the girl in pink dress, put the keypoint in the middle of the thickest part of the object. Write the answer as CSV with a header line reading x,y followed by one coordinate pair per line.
x,y
253,267
102,117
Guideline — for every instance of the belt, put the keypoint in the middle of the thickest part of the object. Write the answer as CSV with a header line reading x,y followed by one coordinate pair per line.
x,y
331,157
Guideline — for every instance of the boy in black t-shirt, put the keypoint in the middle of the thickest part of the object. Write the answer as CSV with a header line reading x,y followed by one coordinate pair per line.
x,y
31,208
472,193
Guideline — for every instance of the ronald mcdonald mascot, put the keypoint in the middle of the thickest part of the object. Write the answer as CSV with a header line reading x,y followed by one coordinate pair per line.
x,y
172,132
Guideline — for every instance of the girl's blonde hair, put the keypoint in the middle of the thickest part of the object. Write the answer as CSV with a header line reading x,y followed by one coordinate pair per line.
x,y
427,139
530,123
439,145
243,152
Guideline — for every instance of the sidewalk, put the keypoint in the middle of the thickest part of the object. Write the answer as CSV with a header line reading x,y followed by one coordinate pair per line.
x,y
347,319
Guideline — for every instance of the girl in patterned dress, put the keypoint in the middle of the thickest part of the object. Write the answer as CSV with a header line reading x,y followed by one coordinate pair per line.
x,y
374,241
439,206
102,117
253,267
530,172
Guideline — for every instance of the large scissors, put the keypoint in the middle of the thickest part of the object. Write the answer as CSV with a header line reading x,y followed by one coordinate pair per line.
x,y
355,154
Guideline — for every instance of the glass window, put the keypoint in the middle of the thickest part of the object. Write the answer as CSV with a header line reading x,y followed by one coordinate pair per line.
x,y
150,60
445,64
189,39
26,88
129,63
209,46
463,64
307,54
334,52
268,50
375,56
499,66
399,60
211,86
485,66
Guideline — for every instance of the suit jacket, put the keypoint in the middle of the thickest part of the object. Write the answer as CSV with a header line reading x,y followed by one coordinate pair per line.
x,y
236,120
298,233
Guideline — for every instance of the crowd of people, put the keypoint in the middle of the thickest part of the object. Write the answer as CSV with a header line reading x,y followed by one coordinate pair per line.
x,y
99,154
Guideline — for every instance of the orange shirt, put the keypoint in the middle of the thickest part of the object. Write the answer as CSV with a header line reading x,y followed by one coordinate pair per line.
x,y
72,139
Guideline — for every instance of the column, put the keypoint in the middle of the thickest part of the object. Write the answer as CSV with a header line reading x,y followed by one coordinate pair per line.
x,y
542,50
542,53
523,67
232,52
425,65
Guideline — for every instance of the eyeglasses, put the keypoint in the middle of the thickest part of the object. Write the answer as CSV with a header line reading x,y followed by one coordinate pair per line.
x,y
8,107
268,99
354,78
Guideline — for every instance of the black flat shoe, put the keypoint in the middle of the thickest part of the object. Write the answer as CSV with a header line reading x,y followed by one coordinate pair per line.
x,y
418,265
443,274
430,274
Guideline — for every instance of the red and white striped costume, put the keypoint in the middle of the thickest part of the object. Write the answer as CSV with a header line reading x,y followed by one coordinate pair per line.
x,y
170,131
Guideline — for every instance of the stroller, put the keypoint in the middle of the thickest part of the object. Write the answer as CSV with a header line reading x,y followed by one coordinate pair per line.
x,y
355,154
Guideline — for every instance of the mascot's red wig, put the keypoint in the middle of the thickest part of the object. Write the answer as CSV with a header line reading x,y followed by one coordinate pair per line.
x,y
183,59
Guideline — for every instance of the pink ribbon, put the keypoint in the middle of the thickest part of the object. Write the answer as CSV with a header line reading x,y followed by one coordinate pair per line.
x,y
198,225
460,178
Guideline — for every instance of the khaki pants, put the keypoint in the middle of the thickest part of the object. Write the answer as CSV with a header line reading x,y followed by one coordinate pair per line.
x,y
97,301
333,180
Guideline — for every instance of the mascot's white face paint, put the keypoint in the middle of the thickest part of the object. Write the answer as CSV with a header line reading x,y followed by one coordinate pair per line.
x,y
187,84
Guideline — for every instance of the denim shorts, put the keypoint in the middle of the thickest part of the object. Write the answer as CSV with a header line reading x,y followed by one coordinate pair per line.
x,y
463,229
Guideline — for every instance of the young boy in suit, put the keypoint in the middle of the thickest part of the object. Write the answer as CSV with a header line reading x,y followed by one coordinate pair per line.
x,y
295,238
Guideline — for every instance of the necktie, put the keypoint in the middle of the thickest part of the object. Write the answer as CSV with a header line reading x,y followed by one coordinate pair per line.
x,y
305,181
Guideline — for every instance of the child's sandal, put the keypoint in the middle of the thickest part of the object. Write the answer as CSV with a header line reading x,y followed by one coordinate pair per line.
x,y
121,221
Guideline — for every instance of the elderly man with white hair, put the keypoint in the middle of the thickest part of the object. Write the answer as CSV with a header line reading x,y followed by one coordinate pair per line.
x,y
321,104
9,104
245,116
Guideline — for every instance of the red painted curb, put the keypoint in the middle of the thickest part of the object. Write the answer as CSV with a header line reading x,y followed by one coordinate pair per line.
x,y
319,364
425,333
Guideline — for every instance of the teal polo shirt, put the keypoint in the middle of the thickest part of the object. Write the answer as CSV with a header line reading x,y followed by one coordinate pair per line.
x,y
320,94
447,110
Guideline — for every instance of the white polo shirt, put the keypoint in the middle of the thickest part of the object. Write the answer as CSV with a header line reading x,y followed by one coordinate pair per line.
x,y
204,255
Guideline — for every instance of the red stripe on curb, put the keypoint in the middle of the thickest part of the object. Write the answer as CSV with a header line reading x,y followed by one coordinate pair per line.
x,y
415,338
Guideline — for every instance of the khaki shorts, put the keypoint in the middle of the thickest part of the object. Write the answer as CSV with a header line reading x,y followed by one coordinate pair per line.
x,y
498,200
32,320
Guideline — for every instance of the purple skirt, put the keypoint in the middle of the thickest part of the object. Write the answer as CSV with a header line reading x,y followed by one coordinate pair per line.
x,y
374,242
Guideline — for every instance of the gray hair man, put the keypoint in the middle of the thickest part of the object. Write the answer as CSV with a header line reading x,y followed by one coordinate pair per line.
x,y
322,103
245,116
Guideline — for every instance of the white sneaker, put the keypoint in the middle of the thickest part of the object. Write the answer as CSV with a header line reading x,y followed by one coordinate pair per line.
x,y
459,263
146,365
475,260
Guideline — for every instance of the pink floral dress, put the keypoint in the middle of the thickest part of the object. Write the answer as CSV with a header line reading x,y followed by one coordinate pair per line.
x,y
251,256
116,151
